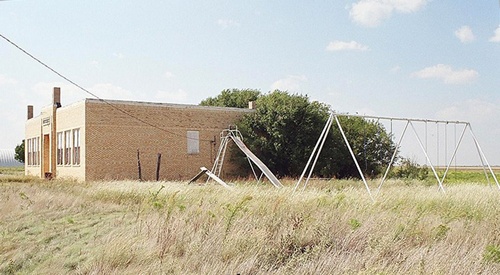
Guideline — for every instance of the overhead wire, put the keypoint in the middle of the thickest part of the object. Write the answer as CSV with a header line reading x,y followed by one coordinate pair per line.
x,y
92,94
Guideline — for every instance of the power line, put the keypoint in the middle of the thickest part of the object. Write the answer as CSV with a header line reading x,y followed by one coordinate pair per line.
x,y
90,93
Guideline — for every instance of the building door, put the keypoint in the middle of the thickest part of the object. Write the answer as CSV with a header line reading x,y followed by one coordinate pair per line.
x,y
46,154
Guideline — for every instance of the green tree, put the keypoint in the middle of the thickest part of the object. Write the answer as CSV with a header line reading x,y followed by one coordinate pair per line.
x,y
232,98
285,127
370,142
283,130
19,152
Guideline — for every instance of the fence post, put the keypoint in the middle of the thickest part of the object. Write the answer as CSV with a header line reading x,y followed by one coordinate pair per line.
x,y
139,165
158,167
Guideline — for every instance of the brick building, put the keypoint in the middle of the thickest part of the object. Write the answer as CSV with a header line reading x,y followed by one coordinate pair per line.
x,y
98,140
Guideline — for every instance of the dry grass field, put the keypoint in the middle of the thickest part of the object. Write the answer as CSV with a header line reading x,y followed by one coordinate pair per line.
x,y
67,227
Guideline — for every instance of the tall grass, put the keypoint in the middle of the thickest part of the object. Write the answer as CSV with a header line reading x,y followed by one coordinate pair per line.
x,y
332,227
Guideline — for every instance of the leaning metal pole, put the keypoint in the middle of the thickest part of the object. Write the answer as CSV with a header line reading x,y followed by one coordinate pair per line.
x,y
321,137
483,166
482,154
318,153
354,158
454,154
392,158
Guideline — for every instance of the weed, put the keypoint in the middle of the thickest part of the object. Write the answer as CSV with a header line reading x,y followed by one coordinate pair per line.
x,y
492,254
440,231
171,205
355,224
13,267
232,211
25,197
154,200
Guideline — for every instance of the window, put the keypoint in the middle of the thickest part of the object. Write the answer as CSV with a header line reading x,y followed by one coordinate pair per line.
x,y
29,150
37,150
33,151
193,142
67,147
76,146
60,145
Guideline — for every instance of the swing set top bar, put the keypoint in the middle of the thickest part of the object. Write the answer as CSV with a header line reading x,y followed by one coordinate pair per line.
x,y
402,119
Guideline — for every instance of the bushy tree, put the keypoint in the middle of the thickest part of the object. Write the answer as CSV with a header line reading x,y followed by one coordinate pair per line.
x,y
232,98
19,152
285,128
410,169
370,142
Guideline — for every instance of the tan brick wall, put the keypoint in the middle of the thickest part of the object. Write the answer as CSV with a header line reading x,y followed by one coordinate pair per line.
x,y
68,118
32,130
113,138
109,139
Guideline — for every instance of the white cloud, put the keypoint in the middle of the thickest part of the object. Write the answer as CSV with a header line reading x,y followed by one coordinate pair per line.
x,y
110,91
395,69
345,46
118,55
447,74
496,36
179,96
4,80
465,34
227,23
169,75
42,93
371,13
290,83
473,110
71,94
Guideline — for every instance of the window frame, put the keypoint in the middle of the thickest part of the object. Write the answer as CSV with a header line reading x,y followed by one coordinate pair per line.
x,y
76,146
67,148
60,149
193,142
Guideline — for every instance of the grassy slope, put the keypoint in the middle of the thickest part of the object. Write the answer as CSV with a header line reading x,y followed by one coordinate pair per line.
x,y
61,227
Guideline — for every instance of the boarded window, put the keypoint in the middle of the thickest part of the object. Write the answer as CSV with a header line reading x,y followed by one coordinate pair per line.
x,y
193,142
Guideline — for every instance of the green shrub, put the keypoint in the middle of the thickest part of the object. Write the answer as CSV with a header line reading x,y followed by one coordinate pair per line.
x,y
492,254
410,169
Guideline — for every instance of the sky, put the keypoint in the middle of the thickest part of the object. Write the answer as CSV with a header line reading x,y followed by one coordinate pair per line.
x,y
430,59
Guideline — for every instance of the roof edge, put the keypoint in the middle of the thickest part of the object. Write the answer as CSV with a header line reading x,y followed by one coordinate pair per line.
x,y
160,104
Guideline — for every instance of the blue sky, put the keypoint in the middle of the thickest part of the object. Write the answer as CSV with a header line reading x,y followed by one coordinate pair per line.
x,y
436,59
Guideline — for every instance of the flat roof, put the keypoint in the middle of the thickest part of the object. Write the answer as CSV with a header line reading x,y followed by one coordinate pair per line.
x,y
169,105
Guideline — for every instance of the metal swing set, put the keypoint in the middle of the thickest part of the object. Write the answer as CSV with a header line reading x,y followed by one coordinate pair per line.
x,y
409,123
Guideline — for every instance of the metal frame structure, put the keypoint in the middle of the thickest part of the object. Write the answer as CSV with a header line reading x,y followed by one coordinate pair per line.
x,y
409,122
233,134
211,175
